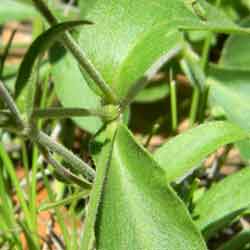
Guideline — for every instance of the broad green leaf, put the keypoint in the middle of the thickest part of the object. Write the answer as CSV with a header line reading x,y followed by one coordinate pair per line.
x,y
38,47
73,91
234,55
228,198
138,210
182,154
238,242
129,36
235,52
230,90
11,10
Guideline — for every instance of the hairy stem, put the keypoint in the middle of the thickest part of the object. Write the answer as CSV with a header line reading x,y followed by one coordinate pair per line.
x,y
66,174
6,97
76,163
78,53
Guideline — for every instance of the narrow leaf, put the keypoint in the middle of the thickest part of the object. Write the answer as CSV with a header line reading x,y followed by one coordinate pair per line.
x,y
238,242
182,154
39,46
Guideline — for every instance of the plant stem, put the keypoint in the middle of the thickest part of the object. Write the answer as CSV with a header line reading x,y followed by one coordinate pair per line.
x,y
61,113
203,103
173,100
16,184
78,53
58,213
204,62
153,131
80,195
143,81
41,138
206,50
76,163
194,106
66,174
4,94
207,44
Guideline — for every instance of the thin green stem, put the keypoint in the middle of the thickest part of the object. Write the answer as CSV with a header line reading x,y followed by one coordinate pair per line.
x,y
25,161
4,94
76,163
16,184
86,64
59,216
33,191
194,106
143,81
62,113
173,100
153,131
55,204
203,104
204,62
206,50
78,53
66,174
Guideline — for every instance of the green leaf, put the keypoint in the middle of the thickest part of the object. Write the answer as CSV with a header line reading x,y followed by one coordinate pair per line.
x,y
235,55
238,242
182,154
235,52
153,93
223,202
103,159
230,90
77,94
11,10
138,210
39,46
129,36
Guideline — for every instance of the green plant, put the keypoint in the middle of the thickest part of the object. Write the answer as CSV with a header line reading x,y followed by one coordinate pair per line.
x,y
133,203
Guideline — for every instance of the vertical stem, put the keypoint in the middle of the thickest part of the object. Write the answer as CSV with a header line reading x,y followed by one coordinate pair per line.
x,y
173,100
154,130
59,216
16,184
206,50
33,194
204,62
194,106
25,162
203,104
